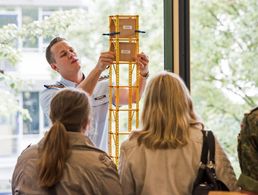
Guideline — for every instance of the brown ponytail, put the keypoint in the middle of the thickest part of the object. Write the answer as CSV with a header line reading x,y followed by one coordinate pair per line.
x,y
53,155
69,112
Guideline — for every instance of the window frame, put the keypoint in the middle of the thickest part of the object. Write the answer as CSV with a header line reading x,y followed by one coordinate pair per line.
x,y
177,38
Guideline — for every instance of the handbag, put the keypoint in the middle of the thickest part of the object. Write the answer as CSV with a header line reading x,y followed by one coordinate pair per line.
x,y
206,179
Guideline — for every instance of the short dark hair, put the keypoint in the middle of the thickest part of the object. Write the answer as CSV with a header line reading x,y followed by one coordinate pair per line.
x,y
49,55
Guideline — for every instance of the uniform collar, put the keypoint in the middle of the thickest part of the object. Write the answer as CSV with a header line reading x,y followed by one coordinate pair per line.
x,y
69,83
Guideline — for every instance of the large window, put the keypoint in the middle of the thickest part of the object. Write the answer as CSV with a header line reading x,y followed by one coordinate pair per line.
x,y
31,103
9,138
28,124
29,15
223,56
8,18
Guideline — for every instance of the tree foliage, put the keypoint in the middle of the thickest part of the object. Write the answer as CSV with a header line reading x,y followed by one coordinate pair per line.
x,y
90,42
10,35
223,58
223,53
84,29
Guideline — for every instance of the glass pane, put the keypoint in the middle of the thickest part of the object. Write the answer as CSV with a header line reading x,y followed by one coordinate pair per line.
x,y
86,37
29,15
31,42
9,133
47,38
31,103
9,149
8,19
223,56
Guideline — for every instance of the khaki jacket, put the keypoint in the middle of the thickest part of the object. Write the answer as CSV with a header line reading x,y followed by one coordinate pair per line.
x,y
165,172
88,171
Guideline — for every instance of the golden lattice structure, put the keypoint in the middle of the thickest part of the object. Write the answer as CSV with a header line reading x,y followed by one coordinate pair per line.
x,y
124,41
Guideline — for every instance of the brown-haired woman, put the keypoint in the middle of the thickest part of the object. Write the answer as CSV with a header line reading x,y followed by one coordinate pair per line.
x,y
163,158
65,161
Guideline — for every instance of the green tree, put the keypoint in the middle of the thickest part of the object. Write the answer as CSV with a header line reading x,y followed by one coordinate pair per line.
x,y
84,29
58,24
90,42
223,58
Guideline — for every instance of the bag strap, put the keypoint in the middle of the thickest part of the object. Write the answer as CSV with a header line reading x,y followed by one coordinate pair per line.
x,y
211,143
205,148
208,147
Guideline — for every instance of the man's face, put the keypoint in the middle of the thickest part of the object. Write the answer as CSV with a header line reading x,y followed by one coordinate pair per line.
x,y
66,61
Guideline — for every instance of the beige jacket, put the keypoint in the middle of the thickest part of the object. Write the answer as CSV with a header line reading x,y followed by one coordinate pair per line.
x,y
88,171
168,172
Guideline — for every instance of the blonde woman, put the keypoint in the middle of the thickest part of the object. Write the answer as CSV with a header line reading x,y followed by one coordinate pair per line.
x,y
65,161
163,157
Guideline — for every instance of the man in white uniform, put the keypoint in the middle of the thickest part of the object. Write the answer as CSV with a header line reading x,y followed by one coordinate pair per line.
x,y
62,58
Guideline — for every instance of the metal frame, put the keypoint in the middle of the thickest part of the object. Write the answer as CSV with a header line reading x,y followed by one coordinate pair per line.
x,y
177,38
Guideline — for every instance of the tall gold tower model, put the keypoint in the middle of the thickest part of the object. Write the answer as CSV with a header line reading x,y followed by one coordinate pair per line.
x,y
124,41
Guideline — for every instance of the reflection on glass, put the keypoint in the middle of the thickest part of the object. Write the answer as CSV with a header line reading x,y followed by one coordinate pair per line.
x,y
31,103
16,134
29,15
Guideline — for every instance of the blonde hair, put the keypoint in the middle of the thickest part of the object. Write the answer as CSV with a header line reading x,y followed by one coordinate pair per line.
x,y
167,113
70,111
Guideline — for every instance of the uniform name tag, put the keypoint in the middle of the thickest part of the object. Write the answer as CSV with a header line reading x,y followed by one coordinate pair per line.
x,y
100,97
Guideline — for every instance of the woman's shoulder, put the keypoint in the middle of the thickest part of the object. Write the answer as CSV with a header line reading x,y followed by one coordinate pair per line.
x,y
29,151
196,134
131,142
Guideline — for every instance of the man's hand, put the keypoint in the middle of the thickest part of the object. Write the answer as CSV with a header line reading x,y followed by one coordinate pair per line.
x,y
142,61
105,59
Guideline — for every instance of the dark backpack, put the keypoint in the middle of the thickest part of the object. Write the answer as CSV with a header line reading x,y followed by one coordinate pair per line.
x,y
206,179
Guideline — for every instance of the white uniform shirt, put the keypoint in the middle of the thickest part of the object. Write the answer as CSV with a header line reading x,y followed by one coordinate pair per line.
x,y
98,132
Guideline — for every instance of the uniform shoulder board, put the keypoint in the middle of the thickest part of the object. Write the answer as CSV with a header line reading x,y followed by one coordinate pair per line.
x,y
54,86
104,77
106,160
26,148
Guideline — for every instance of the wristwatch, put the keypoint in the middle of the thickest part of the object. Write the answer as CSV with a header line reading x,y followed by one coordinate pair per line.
x,y
146,75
